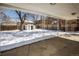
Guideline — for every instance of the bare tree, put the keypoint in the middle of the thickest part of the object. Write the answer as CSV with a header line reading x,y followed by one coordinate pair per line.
x,y
22,18
34,16
3,18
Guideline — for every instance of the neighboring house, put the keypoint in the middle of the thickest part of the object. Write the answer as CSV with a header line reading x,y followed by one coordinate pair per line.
x,y
29,25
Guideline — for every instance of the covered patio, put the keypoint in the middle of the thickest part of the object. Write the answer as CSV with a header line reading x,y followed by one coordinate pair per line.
x,y
50,47
56,31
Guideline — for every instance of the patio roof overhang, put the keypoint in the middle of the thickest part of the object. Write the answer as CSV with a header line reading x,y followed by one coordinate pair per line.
x,y
60,10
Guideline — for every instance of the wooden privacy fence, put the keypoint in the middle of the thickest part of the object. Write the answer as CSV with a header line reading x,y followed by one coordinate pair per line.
x,y
5,27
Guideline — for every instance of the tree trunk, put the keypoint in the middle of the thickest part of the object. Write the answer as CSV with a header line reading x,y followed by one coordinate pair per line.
x,y
22,19
21,26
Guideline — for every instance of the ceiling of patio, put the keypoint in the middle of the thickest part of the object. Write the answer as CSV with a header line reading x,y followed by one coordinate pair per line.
x,y
61,10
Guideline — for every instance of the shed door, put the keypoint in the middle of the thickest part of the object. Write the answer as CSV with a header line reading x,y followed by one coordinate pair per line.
x,y
31,27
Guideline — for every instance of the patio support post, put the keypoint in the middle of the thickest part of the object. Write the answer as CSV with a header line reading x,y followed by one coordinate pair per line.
x,y
57,27
0,26
66,26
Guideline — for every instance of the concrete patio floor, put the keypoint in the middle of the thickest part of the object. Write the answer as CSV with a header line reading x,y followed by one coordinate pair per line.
x,y
50,47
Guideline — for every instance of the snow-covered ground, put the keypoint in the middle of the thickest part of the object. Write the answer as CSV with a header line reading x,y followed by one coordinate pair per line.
x,y
16,36
69,35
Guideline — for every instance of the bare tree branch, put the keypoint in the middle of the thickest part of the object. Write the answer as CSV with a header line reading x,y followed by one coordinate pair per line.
x,y
22,18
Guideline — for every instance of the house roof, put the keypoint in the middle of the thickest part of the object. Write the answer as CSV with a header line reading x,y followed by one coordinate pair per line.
x,y
29,21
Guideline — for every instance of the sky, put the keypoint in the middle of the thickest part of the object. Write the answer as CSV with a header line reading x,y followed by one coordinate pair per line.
x,y
13,15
